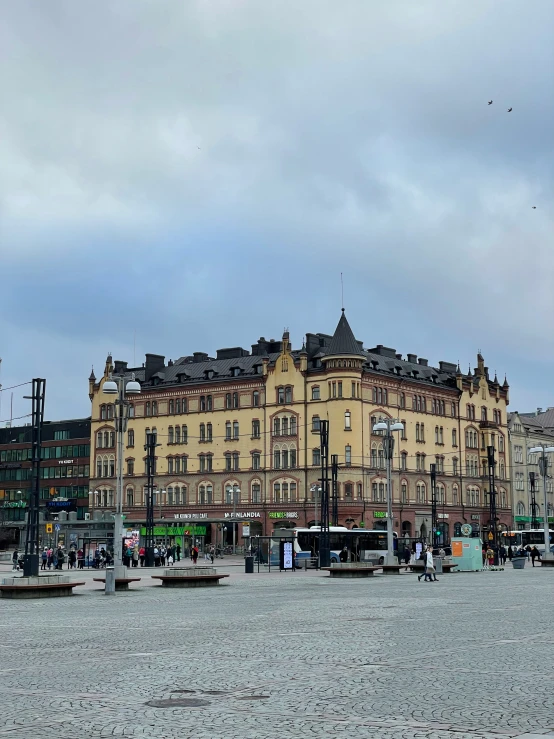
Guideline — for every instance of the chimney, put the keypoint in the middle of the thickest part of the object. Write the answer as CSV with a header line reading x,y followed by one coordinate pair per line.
x,y
539,411
154,363
120,367
412,358
199,357
423,362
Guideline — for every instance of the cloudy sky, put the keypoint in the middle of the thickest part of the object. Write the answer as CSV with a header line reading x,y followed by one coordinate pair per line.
x,y
197,174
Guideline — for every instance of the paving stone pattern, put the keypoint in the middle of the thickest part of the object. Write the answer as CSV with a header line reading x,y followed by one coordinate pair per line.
x,y
276,656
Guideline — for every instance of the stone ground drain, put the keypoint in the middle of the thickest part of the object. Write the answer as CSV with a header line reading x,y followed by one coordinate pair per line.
x,y
198,702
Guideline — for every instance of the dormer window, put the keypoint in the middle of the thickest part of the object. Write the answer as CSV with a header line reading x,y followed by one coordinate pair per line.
x,y
235,371
258,369
209,374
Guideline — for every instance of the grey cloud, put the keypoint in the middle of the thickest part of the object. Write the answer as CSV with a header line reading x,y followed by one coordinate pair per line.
x,y
203,172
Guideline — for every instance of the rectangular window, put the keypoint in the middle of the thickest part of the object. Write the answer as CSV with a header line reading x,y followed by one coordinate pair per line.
x,y
288,395
316,457
277,459
227,462
256,493
255,429
315,392
348,454
256,461
235,429
236,461
339,384
353,391
292,458
347,421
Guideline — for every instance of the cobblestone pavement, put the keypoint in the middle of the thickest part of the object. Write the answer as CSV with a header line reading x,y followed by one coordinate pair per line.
x,y
278,656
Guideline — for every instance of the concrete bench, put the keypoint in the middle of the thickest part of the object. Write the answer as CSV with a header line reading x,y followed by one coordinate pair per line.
x,y
447,567
391,569
121,583
52,586
547,562
189,577
350,569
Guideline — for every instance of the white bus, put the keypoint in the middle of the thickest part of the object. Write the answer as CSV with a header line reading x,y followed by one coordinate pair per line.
x,y
364,545
531,537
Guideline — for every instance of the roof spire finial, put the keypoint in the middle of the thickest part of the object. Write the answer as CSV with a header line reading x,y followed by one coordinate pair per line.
x,y
341,292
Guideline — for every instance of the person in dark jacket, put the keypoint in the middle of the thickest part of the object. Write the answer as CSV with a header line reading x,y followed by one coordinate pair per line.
x,y
343,556
535,554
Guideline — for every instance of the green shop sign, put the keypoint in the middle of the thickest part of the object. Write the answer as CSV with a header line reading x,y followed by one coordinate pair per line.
x,y
14,504
529,519
379,514
176,530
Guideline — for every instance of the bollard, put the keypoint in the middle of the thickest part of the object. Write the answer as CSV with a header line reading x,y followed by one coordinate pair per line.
x,y
110,581
249,565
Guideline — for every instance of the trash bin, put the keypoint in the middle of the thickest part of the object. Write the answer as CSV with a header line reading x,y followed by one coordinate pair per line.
x,y
437,561
249,565
518,563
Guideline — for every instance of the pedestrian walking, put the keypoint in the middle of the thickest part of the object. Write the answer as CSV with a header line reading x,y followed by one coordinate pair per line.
x,y
343,556
71,559
163,553
170,560
15,559
407,554
510,553
502,555
490,557
44,559
535,554
142,556
194,551
178,552
81,559
135,556
50,560
429,571
61,558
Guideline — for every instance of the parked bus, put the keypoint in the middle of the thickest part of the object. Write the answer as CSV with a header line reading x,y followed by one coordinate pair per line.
x,y
531,537
364,545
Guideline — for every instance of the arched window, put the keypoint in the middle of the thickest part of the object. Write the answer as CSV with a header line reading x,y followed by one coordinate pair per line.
x,y
520,510
130,497
455,495
205,493
421,493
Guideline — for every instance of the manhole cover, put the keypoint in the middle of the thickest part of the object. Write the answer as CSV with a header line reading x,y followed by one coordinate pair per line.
x,y
252,697
178,703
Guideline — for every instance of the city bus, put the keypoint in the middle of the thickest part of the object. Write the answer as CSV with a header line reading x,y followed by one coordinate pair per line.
x,y
364,545
531,537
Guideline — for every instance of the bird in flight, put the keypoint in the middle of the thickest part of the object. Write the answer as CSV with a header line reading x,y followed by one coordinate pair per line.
x,y
534,207
510,110
490,102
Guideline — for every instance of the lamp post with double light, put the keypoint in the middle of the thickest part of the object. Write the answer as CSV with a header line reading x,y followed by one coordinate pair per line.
x,y
121,386
544,461
389,425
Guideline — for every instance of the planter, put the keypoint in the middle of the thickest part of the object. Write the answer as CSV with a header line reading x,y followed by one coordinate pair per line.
x,y
518,563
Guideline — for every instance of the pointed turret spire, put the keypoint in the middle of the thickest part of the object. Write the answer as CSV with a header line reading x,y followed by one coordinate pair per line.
x,y
469,373
505,382
92,377
344,342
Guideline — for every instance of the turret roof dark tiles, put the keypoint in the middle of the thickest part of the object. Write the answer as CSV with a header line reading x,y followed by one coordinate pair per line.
x,y
344,342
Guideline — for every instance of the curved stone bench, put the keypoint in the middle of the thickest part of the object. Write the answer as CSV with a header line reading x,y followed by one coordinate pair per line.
x,y
350,571
49,586
189,577
121,583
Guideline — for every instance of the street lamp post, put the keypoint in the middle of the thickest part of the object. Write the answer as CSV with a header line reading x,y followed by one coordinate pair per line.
x,y
119,386
389,425
316,490
235,493
543,467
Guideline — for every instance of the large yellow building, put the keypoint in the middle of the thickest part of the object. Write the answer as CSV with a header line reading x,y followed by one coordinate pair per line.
x,y
238,437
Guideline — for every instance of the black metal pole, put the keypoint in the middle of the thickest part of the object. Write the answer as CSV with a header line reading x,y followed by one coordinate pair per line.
x,y
324,543
31,559
150,448
434,515
335,488
532,481
492,498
